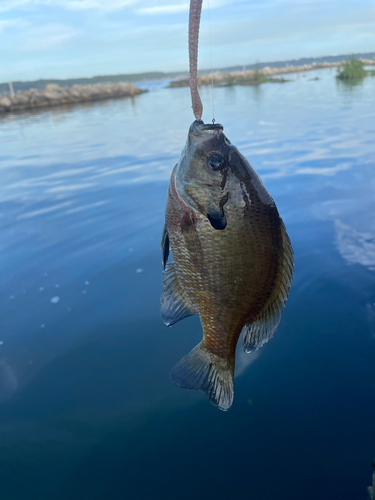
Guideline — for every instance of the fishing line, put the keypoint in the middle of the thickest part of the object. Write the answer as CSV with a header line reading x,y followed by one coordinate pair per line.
x,y
212,75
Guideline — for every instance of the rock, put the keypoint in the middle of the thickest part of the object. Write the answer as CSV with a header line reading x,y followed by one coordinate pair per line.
x,y
54,95
22,99
6,102
53,87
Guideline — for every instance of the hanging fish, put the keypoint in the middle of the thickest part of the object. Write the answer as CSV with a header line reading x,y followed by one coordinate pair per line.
x,y
232,259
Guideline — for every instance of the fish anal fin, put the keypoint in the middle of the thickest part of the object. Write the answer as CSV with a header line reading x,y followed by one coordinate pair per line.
x,y
257,333
175,306
164,245
206,372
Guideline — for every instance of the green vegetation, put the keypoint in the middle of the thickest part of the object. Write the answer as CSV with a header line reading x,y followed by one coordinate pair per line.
x,y
352,69
256,79
229,79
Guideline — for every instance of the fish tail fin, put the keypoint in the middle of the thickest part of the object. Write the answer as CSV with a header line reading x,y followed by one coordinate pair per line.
x,y
207,372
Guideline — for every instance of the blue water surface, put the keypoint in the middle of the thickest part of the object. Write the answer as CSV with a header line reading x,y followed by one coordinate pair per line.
x,y
87,410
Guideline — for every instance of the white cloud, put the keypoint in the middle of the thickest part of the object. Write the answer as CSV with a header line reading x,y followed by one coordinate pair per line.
x,y
12,23
8,5
106,5
178,7
92,4
164,9
46,37
323,170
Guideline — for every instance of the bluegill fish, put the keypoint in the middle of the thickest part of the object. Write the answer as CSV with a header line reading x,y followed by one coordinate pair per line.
x,y
232,259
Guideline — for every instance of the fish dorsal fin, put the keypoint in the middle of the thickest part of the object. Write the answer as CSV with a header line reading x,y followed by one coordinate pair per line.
x,y
174,303
257,333
164,245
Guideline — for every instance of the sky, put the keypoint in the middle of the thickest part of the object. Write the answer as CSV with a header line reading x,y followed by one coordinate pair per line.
x,y
83,38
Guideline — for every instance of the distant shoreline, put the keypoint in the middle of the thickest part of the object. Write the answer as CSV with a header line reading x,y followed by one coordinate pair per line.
x,y
159,75
54,95
257,77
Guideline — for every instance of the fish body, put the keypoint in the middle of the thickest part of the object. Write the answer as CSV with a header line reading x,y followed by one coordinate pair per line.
x,y
232,259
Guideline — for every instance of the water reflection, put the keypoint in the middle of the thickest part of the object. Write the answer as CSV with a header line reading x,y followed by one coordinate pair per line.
x,y
59,112
356,247
349,86
86,402
8,380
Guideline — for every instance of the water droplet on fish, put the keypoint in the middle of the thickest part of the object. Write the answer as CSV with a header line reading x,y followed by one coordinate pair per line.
x,y
139,270
55,300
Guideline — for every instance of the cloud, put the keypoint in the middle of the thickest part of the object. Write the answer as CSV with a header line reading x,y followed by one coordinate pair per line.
x,y
92,4
142,35
8,5
12,23
46,38
323,170
106,5
164,9
179,7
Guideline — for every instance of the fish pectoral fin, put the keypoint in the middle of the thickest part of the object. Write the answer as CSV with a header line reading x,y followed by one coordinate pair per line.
x,y
206,372
175,306
164,245
257,333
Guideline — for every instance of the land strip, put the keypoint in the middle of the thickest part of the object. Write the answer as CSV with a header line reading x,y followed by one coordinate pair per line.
x,y
159,75
258,76
54,95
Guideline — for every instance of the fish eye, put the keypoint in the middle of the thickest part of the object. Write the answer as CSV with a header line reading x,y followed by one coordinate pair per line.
x,y
216,161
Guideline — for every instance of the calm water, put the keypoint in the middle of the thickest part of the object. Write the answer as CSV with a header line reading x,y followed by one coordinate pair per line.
x,y
87,410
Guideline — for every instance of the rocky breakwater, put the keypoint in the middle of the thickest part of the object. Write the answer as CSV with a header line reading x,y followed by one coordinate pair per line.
x,y
54,95
256,77
218,79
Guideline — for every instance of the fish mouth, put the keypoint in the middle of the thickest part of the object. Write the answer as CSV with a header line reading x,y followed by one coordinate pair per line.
x,y
211,126
198,126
